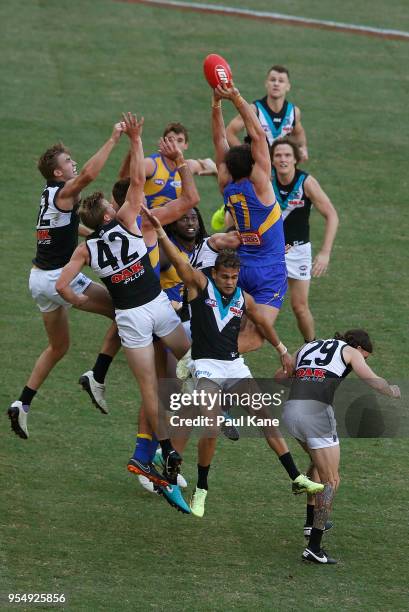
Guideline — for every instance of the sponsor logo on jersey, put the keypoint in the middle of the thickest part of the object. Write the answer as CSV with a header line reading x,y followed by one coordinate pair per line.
x,y
211,303
128,274
159,181
317,373
43,236
287,129
236,311
296,203
176,184
250,238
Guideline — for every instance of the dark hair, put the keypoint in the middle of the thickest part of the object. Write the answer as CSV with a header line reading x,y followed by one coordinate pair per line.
x,y
119,191
227,258
91,210
279,68
48,161
178,128
239,161
201,234
355,338
285,141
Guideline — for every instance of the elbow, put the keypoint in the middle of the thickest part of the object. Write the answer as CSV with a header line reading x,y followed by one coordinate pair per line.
x,y
257,134
60,287
138,182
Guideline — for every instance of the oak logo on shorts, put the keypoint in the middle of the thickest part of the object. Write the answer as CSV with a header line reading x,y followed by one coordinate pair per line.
x,y
134,271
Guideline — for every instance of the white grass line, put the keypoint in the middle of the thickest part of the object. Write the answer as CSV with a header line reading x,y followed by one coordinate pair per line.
x,y
278,17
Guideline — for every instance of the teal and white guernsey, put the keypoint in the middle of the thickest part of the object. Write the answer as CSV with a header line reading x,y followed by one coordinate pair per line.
x,y
215,323
275,125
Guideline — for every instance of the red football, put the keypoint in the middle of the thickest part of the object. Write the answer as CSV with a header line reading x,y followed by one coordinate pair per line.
x,y
216,70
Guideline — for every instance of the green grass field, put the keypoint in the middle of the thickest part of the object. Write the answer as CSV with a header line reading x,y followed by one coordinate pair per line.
x,y
72,520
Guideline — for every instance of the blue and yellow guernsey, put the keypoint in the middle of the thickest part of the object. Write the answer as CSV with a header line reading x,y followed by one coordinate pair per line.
x,y
170,282
260,227
164,184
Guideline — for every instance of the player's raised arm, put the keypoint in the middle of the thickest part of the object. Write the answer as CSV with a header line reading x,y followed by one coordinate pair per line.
x,y
220,143
189,197
192,278
259,146
135,196
257,315
89,172
234,128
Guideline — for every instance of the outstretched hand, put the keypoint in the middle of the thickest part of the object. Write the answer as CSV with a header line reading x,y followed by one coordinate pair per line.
x,y
117,131
131,126
226,90
168,147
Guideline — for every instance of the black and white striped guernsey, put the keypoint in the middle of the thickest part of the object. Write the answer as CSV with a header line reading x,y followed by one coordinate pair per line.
x,y
319,369
215,323
57,230
121,260
295,207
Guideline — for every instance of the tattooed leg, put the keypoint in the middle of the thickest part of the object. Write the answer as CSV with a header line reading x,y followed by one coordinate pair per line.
x,y
323,506
326,461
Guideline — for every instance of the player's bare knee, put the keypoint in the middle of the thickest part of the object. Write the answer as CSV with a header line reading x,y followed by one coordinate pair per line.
x,y
300,309
59,350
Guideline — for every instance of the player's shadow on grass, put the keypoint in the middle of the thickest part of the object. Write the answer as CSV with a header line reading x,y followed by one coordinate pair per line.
x,y
364,418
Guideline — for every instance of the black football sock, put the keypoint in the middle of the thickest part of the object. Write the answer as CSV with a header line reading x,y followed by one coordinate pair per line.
x,y
101,367
202,473
310,515
26,396
288,464
314,542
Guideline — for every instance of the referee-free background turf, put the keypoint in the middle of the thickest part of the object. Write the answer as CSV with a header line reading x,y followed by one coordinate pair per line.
x,y
72,520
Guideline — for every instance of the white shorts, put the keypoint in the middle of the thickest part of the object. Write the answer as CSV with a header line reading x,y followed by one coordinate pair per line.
x,y
136,325
223,372
311,422
298,261
42,287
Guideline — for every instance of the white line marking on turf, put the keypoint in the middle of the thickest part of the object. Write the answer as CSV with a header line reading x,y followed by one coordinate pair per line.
x,y
279,17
